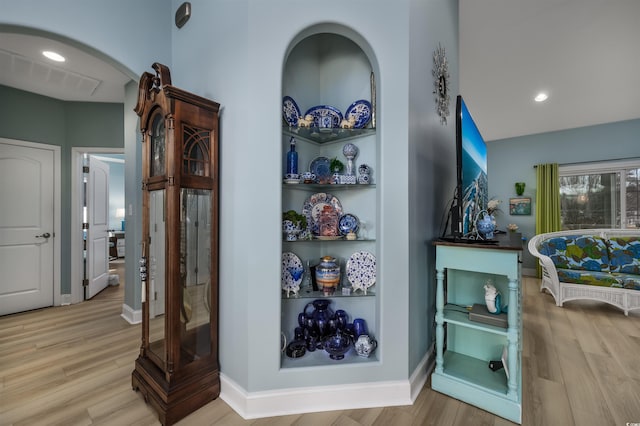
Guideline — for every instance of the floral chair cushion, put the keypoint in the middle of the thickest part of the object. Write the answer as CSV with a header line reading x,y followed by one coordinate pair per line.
x,y
624,254
603,279
584,252
629,281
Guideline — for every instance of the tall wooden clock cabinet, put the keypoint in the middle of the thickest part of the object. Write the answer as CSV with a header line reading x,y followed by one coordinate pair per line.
x,y
177,370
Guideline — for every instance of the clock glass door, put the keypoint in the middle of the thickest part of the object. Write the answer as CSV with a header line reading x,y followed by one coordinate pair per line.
x,y
157,277
195,273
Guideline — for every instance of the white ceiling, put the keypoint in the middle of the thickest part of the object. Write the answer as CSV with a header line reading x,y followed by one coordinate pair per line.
x,y
82,77
584,53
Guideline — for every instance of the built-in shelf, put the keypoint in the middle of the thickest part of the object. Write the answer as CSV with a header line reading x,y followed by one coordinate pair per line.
x,y
319,294
338,240
311,134
327,187
341,60
320,357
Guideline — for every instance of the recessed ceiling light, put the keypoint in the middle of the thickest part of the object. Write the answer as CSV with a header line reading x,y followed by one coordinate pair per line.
x,y
53,56
541,97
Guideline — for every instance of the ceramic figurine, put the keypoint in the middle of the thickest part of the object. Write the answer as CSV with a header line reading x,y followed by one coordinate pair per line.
x,y
365,345
307,121
492,298
365,174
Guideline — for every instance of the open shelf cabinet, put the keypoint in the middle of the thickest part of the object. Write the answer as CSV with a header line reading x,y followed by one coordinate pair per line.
x,y
464,347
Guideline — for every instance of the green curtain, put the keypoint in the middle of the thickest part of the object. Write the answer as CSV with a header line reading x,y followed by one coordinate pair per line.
x,y
547,200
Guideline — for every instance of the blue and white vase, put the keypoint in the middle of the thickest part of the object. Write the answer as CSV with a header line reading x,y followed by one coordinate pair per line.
x,y
486,226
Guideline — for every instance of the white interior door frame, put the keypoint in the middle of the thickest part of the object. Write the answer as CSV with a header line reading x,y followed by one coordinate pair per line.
x,y
77,292
57,297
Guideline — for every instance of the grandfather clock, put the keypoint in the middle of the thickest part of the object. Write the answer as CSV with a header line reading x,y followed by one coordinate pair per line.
x,y
177,370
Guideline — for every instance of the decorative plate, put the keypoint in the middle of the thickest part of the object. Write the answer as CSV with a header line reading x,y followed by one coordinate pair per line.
x,y
292,271
348,223
361,111
314,205
323,111
290,111
361,270
321,167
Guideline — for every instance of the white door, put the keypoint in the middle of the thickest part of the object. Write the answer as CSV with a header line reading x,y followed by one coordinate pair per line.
x,y
26,227
98,222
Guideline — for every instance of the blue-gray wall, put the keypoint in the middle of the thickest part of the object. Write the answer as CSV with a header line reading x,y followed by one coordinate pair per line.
x,y
512,160
244,73
233,52
431,161
34,118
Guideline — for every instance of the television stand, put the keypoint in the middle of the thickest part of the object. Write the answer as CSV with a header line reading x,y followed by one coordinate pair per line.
x,y
466,345
462,240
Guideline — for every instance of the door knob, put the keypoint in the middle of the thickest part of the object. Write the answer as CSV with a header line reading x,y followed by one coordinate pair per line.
x,y
45,235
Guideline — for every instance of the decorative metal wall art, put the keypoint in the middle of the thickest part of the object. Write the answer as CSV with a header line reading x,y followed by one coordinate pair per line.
x,y
441,83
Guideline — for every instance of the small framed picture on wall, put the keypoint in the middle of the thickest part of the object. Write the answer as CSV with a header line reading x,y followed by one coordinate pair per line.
x,y
520,206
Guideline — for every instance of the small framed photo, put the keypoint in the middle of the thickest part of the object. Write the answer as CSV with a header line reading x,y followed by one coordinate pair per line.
x,y
520,206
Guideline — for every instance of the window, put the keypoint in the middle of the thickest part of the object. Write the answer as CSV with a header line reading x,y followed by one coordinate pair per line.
x,y
600,195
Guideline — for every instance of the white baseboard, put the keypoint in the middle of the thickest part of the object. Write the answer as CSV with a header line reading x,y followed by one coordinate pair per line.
x,y
131,315
253,405
422,372
65,299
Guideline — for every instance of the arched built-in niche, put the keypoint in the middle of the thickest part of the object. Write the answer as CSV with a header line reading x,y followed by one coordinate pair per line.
x,y
331,66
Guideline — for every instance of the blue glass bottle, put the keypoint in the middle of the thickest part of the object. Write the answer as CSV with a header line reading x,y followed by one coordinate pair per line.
x,y
292,157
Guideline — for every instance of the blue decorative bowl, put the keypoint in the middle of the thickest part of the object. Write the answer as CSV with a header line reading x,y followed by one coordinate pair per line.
x,y
337,345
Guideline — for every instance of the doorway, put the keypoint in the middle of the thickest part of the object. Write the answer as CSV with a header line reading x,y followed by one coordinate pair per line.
x,y
29,225
115,228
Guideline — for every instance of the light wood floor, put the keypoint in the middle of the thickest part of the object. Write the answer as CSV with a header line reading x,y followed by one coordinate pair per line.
x,y
72,365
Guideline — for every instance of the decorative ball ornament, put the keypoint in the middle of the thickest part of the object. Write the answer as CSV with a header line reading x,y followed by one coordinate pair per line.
x,y
441,77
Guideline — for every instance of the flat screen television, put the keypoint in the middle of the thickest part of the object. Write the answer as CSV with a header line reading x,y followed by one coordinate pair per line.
x,y
472,193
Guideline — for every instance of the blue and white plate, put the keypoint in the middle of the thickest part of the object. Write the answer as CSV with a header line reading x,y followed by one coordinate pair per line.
x,y
320,111
361,270
348,223
321,167
290,111
292,271
361,111
314,205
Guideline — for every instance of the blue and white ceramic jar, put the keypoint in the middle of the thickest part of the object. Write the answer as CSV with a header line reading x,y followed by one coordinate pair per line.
x,y
486,226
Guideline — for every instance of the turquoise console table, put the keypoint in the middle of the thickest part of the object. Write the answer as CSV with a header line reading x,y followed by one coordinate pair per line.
x,y
464,347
